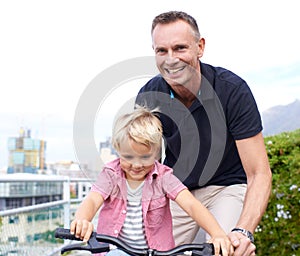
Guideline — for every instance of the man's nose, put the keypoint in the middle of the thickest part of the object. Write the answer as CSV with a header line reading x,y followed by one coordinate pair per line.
x,y
171,58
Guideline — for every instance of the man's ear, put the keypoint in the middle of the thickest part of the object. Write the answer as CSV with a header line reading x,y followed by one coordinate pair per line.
x,y
201,47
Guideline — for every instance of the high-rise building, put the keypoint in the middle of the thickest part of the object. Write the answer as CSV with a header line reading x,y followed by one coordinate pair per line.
x,y
26,155
107,152
107,144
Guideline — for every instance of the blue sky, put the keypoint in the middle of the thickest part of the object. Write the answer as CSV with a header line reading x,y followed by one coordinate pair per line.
x,y
277,85
51,50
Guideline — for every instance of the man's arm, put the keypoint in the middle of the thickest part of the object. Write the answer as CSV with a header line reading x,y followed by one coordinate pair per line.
x,y
259,178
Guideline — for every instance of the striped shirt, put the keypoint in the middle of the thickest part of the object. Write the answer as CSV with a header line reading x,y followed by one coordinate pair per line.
x,y
133,230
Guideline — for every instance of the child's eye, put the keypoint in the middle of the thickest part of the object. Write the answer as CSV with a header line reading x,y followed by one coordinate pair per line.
x,y
127,157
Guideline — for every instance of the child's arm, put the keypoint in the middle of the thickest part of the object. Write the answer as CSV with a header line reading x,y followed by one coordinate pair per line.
x,y
205,220
82,226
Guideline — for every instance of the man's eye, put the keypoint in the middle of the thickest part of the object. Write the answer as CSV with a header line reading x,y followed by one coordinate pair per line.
x,y
160,51
180,48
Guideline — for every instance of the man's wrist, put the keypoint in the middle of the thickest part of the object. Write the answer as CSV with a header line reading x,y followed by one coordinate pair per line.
x,y
245,232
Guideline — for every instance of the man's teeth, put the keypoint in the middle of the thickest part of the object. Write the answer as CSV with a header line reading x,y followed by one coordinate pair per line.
x,y
172,71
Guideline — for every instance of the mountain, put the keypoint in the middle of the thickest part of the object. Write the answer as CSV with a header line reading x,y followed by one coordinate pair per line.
x,y
281,118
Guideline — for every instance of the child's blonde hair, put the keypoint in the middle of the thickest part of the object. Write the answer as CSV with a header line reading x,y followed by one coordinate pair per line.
x,y
142,125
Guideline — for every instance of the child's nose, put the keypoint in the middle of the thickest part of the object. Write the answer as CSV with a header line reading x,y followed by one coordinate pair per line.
x,y
137,164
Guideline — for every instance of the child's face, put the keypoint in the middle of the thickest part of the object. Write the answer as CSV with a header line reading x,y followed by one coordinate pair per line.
x,y
136,159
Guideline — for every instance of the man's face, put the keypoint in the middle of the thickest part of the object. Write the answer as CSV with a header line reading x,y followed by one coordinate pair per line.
x,y
177,52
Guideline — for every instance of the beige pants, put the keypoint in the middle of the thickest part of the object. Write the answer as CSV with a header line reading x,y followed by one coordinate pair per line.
x,y
224,202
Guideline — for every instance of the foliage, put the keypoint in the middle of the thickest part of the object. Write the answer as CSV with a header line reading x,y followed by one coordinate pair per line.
x,y
49,237
278,232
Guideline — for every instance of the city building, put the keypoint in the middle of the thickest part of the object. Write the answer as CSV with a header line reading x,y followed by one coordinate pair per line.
x,y
107,144
26,155
75,172
31,207
107,152
36,197
67,168
25,189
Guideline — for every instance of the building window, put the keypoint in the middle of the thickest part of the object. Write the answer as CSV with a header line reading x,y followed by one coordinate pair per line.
x,y
13,220
29,239
37,236
13,239
29,218
40,217
12,203
42,199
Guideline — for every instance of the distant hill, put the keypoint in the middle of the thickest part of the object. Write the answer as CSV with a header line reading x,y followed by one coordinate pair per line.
x,y
281,118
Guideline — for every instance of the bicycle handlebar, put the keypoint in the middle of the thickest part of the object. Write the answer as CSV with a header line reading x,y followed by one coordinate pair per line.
x,y
100,243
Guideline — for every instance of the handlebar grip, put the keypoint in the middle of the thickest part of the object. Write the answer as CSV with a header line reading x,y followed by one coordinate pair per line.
x,y
64,233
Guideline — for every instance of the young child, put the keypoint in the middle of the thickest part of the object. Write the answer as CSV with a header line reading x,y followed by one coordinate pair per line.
x,y
133,192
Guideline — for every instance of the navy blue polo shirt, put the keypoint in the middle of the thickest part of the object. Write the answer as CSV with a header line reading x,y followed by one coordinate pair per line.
x,y
200,140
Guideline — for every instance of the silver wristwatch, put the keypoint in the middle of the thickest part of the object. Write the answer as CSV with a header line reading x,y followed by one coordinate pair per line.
x,y
245,232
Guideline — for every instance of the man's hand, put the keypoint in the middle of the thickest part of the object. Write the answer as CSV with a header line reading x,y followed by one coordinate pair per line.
x,y
242,244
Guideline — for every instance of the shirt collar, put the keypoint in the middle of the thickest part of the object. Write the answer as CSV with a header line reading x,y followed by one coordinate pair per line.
x,y
206,91
206,87
153,174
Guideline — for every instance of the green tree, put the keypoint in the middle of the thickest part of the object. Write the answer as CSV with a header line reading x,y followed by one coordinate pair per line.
x,y
278,232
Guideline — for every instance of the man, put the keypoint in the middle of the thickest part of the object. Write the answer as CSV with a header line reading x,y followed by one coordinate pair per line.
x,y
212,131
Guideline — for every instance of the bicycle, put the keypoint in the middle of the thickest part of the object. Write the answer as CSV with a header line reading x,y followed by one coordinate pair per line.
x,y
99,243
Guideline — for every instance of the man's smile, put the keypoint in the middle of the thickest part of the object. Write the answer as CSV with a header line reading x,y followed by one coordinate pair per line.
x,y
173,70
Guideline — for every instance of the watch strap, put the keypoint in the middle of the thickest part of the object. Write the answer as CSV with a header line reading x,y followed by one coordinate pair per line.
x,y
245,232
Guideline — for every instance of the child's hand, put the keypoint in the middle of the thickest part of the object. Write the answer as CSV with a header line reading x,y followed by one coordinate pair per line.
x,y
222,244
82,229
